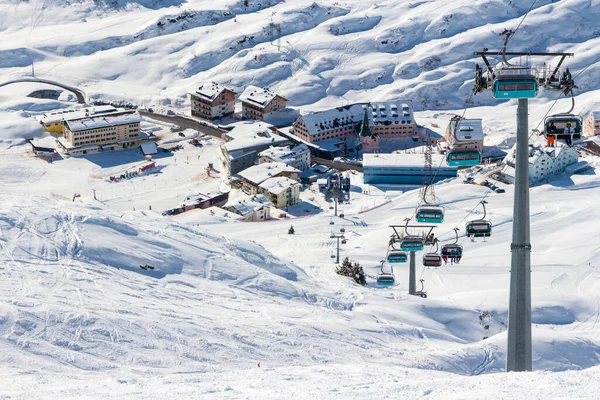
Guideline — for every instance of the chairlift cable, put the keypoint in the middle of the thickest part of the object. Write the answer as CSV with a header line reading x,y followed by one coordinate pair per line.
x,y
471,96
522,19
422,272
468,214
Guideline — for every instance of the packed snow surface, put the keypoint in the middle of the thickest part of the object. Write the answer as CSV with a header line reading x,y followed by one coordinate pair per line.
x,y
245,310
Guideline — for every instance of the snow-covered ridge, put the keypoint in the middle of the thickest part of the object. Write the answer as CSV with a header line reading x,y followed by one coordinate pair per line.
x,y
316,54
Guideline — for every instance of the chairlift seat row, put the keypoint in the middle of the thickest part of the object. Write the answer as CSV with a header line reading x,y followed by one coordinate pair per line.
x,y
479,228
430,214
515,83
463,158
555,125
452,250
412,244
386,279
432,260
397,256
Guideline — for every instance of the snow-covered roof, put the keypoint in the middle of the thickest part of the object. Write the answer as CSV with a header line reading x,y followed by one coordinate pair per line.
x,y
209,91
326,120
279,153
205,216
403,160
469,129
248,135
261,172
301,148
58,116
284,154
331,144
390,113
48,142
536,152
103,121
196,198
249,204
258,96
149,148
278,185
379,113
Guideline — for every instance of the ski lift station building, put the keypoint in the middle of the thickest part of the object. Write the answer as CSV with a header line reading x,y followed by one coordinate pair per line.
x,y
405,168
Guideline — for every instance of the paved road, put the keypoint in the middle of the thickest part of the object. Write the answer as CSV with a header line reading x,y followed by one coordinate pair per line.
x,y
186,123
337,165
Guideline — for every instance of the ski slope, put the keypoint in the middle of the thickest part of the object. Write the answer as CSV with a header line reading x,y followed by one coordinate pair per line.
x,y
225,297
244,310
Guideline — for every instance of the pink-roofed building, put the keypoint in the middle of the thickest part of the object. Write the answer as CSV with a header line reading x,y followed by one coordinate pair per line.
x,y
211,101
260,103
591,124
387,120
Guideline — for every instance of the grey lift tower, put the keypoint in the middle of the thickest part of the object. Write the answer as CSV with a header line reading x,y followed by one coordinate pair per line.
x,y
400,234
509,81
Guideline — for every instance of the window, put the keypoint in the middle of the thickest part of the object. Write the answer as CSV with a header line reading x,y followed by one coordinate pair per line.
x,y
515,86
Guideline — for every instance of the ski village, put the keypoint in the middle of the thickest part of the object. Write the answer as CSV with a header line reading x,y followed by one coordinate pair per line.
x,y
324,200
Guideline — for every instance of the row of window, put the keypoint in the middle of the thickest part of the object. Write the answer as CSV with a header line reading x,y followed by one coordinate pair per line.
x,y
96,141
96,136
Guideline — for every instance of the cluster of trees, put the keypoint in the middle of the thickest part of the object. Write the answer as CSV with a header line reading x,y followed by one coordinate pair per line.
x,y
352,269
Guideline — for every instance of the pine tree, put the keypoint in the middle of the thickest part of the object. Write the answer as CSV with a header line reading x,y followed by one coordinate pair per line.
x,y
353,270
291,231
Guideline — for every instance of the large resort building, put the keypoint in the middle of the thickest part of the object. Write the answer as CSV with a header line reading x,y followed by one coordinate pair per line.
x,y
260,103
102,132
386,120
211,101
54,121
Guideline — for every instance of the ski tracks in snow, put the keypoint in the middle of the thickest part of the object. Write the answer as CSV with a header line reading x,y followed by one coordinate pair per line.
x,y
485,363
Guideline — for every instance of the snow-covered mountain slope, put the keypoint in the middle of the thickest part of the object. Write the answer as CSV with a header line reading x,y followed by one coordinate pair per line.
x,y
79,318
315,53
76,310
